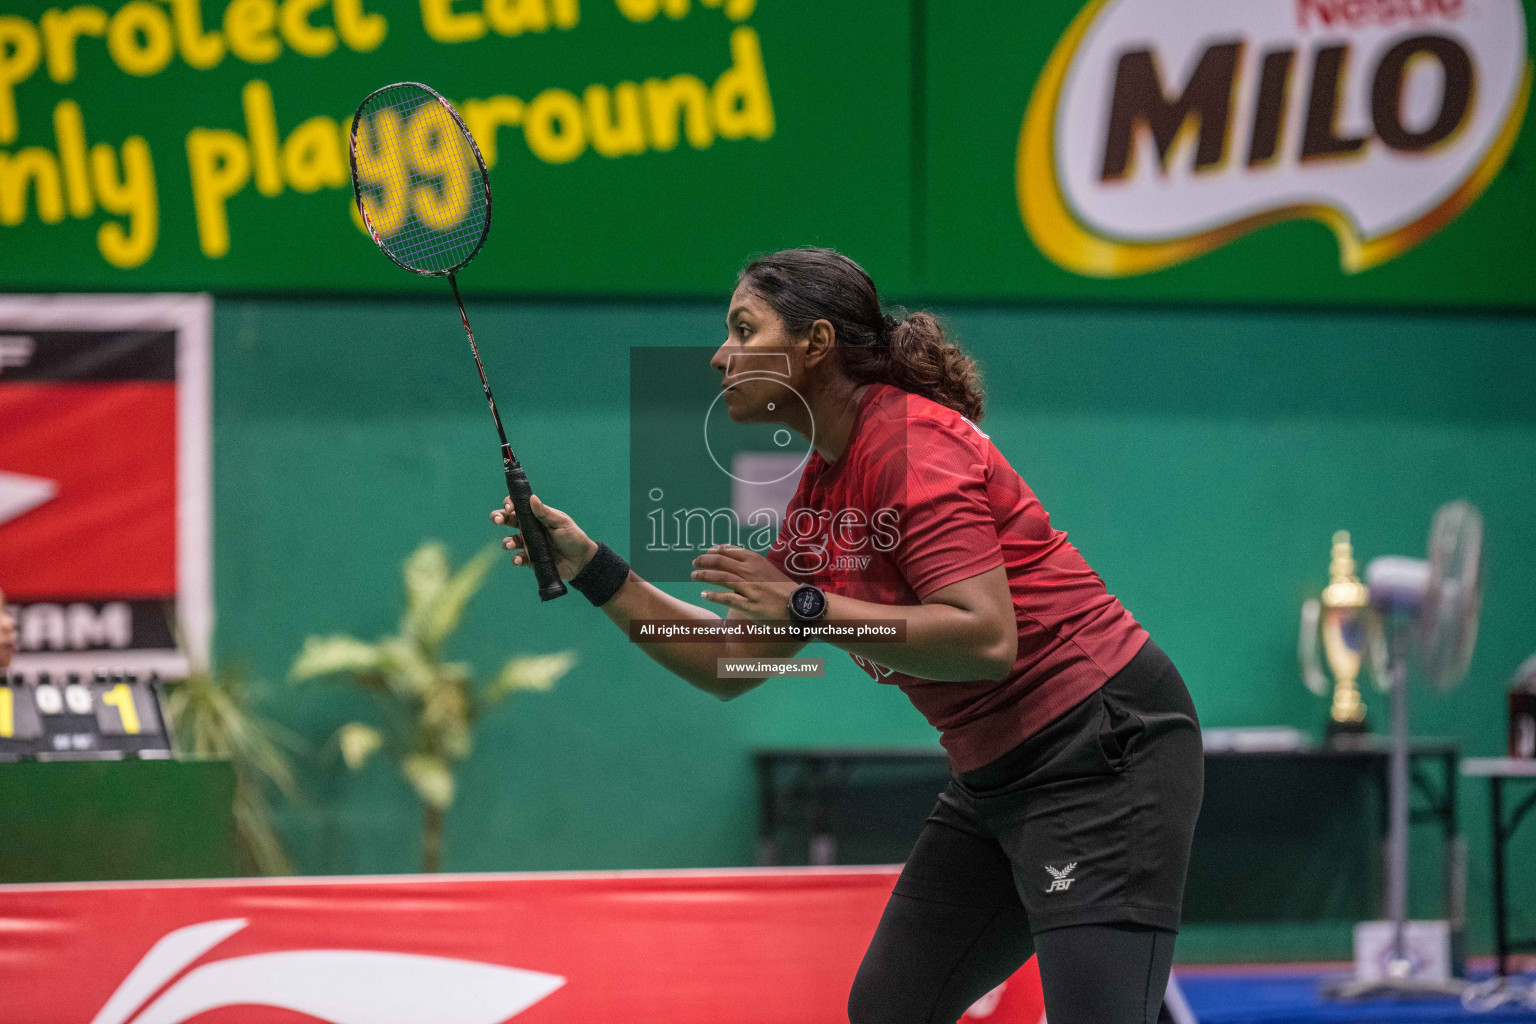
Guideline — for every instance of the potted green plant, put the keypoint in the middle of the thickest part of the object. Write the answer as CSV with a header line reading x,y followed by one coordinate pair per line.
x,y
428,707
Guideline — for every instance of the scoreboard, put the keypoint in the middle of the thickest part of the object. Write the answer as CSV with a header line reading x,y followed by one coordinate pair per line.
x,y
102,715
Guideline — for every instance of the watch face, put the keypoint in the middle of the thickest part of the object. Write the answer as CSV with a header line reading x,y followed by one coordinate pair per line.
x,y
808,602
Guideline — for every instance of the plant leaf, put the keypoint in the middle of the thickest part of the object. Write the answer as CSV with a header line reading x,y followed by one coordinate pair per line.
x,y
426,572
444,722
324,655
256,833
431,778
530,672
439,616
358,743
407,670
212,716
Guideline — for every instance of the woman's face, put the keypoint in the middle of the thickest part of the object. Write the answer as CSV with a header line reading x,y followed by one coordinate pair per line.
x,y
761,364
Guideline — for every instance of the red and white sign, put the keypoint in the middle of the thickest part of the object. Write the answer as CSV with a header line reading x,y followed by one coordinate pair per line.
x,y
104,497
686,947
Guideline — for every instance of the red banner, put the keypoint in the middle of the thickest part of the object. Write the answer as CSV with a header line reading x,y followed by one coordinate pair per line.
x,y
108,451
689,947
105,529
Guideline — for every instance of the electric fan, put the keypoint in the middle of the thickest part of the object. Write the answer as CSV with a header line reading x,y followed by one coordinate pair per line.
x,y
1426,611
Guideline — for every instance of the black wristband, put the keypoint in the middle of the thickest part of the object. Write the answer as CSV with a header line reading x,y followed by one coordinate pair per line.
x,y
602,577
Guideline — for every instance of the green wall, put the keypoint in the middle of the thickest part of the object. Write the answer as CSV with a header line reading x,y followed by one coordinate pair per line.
x,y
1200,459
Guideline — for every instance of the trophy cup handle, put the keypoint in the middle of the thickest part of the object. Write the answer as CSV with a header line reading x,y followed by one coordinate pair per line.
x,y
1376,652
1312,673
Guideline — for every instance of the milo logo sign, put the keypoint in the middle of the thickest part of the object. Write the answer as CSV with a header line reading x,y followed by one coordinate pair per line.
x,y
1162,129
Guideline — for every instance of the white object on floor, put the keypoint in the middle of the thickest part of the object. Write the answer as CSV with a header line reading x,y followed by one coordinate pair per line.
x,y
1427,945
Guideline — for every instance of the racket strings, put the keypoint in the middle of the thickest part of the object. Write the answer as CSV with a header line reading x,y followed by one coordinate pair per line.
x,y
421,184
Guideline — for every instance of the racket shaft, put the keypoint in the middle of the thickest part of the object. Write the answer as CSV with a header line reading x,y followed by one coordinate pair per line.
x,y
536,542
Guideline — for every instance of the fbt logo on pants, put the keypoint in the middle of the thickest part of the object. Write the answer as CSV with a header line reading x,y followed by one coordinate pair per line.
x,y
1162,129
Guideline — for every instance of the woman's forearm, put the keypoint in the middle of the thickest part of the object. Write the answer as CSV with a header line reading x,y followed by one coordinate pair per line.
x,y
963,640
965,630
962,631
693,661
637,599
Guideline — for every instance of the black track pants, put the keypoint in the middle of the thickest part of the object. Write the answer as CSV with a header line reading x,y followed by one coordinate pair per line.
x,y
929,962
1073,845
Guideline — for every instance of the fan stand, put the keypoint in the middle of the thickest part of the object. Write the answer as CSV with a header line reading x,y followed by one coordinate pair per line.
x,y
1397,981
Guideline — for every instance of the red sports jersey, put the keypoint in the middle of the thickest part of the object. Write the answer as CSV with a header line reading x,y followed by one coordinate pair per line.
x,y
921,499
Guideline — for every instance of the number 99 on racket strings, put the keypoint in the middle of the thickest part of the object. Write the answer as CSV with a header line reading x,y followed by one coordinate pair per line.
x,y
425,199
421,183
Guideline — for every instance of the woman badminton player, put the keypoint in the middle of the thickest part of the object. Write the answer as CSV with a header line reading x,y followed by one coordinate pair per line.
x,y
1076,770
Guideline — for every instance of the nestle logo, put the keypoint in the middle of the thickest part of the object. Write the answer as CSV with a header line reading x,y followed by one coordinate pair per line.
x,y
1363,13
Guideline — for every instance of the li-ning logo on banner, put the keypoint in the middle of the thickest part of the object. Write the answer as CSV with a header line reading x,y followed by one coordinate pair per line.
x,y
1162,129
340,986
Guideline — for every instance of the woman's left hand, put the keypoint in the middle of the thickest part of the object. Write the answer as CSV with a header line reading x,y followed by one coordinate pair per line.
x,y
755,587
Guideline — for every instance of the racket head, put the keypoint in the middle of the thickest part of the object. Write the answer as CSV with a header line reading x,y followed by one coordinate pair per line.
x,y
419,179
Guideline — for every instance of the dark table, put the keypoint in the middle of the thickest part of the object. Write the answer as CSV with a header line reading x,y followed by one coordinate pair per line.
x,y
854,805
1498,770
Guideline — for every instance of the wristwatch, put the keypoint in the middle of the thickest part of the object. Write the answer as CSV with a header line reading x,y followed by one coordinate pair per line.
x,y
808,604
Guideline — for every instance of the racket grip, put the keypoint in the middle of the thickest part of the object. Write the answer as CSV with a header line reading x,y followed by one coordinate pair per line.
x,y
536,540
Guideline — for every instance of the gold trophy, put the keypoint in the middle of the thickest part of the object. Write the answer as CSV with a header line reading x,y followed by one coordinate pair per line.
x,y
1342,618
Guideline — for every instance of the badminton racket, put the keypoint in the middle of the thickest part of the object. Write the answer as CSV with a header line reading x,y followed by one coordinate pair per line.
x,y
425,199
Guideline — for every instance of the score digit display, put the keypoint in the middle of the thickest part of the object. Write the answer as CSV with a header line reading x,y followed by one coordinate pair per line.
x,y
19,725
48,700
20,728
112,715
120,699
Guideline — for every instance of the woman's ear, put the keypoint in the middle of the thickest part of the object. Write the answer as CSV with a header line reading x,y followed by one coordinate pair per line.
x,y
820,341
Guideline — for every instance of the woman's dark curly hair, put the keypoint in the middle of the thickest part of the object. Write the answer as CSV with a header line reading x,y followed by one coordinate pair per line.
x,y
806,285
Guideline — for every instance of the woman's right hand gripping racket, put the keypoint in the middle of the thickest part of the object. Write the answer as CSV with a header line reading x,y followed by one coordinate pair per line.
x,y
425,199
572,548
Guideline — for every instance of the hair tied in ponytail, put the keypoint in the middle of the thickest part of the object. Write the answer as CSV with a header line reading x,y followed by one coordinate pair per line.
x,y
806,285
